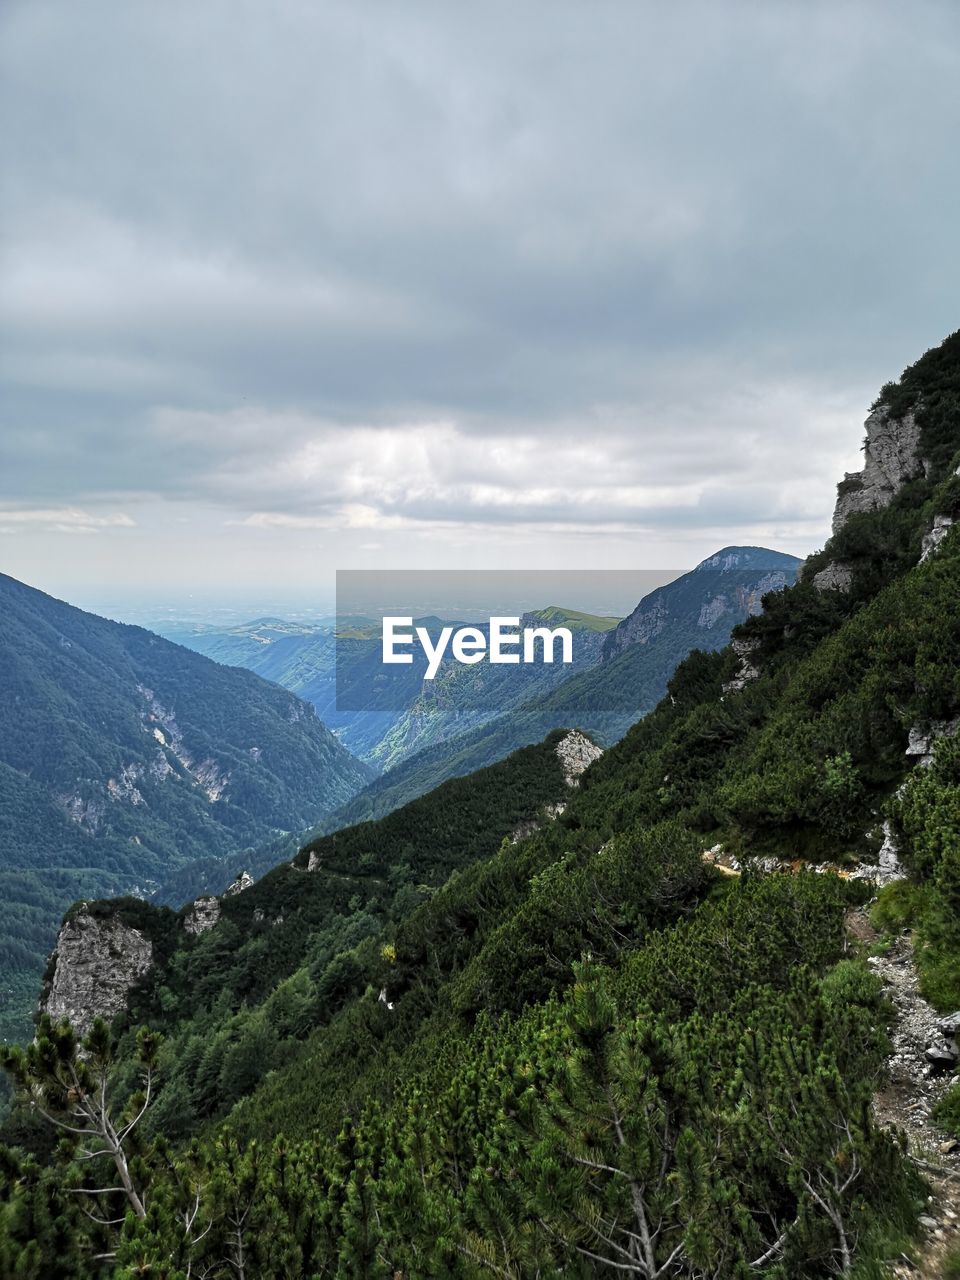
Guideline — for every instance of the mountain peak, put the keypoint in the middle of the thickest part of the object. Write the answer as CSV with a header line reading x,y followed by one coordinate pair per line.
x,y
728,559
729,585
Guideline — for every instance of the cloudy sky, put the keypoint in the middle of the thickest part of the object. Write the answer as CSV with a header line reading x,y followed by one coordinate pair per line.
x,y
300,286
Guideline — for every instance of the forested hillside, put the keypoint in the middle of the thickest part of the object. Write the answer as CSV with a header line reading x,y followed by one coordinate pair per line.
x,y
588,1051
123,756
624,671
385,721
699,610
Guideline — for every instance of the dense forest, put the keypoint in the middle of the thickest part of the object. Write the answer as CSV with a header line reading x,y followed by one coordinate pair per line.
x,y
124,757
497,1042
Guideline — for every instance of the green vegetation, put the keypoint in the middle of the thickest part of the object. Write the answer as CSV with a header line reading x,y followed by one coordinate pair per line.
x,y
585,1052
299,945
927,813
557,616
93,802
607,698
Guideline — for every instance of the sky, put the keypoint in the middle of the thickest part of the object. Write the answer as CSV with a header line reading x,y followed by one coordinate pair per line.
x,y
299,287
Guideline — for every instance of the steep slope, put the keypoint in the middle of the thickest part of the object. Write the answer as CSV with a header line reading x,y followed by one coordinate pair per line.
x,y
123,756
590,1053
462,698
337,893
697,611
382,722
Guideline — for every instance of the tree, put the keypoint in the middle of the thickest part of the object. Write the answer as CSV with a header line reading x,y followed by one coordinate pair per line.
x,y
72,1083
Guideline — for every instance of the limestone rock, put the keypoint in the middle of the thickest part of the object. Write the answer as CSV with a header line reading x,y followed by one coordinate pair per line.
x,y
943,1054
935,535
888,866
203,915
835,576
243,881
98,960
643,625
125,787
891,457
211,779
550,811
921,741
575,752
744,649
85,811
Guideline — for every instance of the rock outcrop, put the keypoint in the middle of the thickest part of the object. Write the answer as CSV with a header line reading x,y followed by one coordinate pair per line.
x,y
97,961
243,881
203,915
835,576
891,457
548,813
575,752
935,535
745,650
888,866
922,740
644,624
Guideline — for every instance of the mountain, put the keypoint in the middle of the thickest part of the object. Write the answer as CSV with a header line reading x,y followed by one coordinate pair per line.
x,y
385,717
625,666
698,610
123,756
463,698
645,1032
337,891
706,603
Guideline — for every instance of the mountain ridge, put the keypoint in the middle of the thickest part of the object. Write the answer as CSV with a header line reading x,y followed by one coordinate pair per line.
x,y
123,755
592,1029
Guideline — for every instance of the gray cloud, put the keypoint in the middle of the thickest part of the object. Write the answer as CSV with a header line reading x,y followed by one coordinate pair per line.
x,y
301,272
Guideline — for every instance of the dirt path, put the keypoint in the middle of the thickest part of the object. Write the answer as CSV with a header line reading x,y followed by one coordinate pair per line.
x,y
907,1101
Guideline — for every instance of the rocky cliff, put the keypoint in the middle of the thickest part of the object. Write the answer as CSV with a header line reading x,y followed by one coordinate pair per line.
x,y
722,590
576,752
97,961
891,457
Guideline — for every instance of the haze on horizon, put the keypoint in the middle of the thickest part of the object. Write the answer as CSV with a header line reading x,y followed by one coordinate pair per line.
x,y
293,288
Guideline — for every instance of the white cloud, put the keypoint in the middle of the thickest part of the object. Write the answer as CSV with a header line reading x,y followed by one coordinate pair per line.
x,y
636,270
60,520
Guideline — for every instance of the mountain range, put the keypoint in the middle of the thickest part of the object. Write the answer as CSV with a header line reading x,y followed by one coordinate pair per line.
x,y
385,716
131,765
124,756
624,669
581,1012
634,662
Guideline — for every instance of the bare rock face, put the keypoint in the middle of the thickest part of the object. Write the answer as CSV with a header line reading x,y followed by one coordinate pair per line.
x,y
84,811
835,576
891,457
888,866
643,625
922,741
935,535
575,752
550,811
744,649
210,778
203,915
243,881
97,962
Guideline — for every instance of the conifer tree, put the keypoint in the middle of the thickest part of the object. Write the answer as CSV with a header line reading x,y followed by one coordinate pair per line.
x,y
71,1083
